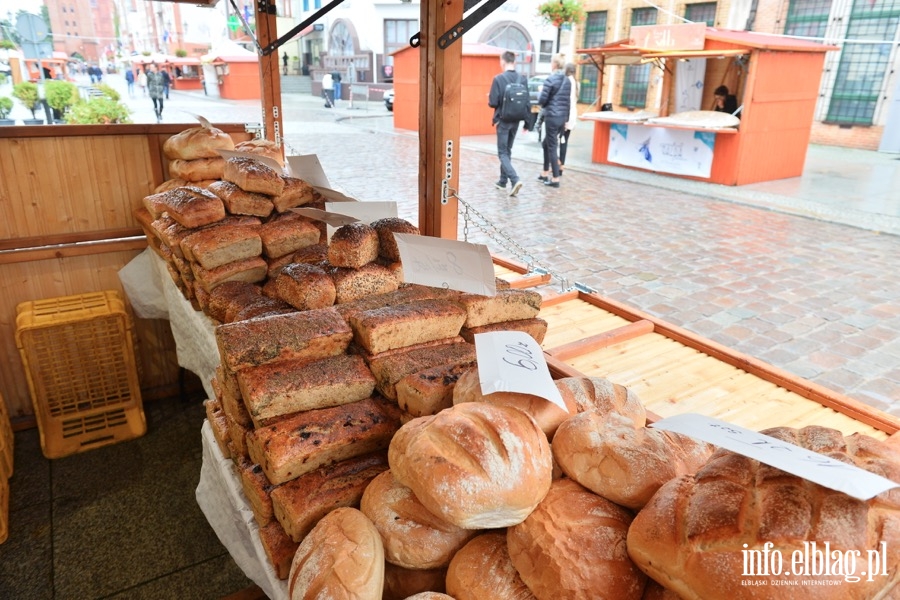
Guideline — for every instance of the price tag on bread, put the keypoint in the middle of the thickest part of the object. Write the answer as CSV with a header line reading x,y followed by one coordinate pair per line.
x,y
308,168
815,467
448,264
512,361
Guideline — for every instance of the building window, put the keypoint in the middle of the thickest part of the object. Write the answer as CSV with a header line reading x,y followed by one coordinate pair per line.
x,y
862,68
67,23
637,78
546,51
807,18
594,37
317,4
702,12
510,36
305,5
396,36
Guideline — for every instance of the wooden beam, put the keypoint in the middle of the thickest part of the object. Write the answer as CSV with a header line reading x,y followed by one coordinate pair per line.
x,y
269,72
69,238
68,250
601,340
439,112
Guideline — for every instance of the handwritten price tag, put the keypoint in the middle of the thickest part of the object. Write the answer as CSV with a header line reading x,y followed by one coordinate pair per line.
x,y
308,168
446,263
333,219
512,361
818,468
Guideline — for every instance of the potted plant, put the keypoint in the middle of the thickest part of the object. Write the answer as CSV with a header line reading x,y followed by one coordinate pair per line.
x,y
98,111
6,106
27,93
180,52
561,12
60,96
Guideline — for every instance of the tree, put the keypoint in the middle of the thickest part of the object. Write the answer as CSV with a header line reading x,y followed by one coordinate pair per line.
x,y
27,94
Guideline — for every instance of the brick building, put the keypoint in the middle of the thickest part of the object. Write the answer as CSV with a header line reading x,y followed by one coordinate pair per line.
x,y
857,83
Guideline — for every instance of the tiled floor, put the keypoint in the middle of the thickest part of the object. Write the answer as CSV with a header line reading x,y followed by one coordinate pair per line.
x,y
119,522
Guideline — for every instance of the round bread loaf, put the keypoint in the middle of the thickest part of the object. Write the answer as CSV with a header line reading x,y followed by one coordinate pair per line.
x,y
475,465
430,596
197,142
482,569
572,547
342,557
387,243
599,393
353,246
625,464
412,537
401,583
706,535
547,414
266,148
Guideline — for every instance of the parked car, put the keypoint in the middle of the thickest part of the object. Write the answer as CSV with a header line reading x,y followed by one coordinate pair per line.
x,y
535,84
389,99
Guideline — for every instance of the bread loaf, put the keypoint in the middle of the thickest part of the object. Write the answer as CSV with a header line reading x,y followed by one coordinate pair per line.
x,y
230,297
572,547
588,393
233,403
292,386
296,193
353,246
170,184
507,305
391,368
386,228
482,569
430,391
249,270
391,327
155,203
536,328
253,176
400,583
197,142
279,548
239,202
300,504
430,596
237,439
475,465
198,169
405,294
287,235
219,425
368,280
312,255
306,441
341,558
625,464
413,537
263,307
699,533
305,287
193,207
262,147
302,335
216,246
257,489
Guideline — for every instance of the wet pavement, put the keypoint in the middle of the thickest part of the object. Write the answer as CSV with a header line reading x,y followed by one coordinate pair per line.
x,y
800,273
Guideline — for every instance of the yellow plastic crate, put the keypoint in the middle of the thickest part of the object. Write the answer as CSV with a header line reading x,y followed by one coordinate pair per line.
x,y
81,371
6,442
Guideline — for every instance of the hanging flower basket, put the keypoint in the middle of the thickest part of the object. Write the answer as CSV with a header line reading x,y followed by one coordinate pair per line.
x,y
560,12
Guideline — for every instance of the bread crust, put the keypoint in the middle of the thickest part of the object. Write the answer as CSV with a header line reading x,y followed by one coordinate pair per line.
x,y
305,287
197,142
403,584
239,202
279,548
482,569
391,367
536,328
369,280
353,246
283,236
387,243
253,176
382,329
193,207
198,169
506,305
215,246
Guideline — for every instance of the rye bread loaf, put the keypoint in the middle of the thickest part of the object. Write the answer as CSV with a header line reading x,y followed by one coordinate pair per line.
x,y
382,329
572,547
250,270
219,425
253,176
353,246
213,247
697,533
192,207
291,386
390,368
262,307
482,569
387,243
536,328
197,142
369,280
279,547
301,335
229,296
283,236
305,287
475,465
198,169
300,503
257,490
506,305
240,202
404,294
430,391
308,440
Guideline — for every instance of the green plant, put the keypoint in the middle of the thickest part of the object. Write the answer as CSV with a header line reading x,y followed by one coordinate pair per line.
x,y
559,12
98,111
27,93
109,92
6,106
146,53
181,52
7,45
2,78
61,95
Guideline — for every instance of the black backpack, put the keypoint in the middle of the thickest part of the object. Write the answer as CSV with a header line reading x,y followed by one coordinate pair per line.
x,y
516,103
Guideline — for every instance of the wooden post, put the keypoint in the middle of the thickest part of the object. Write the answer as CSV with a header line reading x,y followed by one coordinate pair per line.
x,y
269,72
439,110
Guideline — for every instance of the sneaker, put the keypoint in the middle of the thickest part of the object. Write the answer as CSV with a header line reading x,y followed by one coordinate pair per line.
x,y
543,178
515,188
553,184
500,186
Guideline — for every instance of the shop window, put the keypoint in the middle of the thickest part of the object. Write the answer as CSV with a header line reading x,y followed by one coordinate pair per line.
x,y
701,12
863,66
637,77
510,36
807,18
594,37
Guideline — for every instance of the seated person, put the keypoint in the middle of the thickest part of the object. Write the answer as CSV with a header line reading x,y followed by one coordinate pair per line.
x,y
725,102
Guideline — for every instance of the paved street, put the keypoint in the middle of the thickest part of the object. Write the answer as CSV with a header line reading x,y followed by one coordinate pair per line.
x,y
800,273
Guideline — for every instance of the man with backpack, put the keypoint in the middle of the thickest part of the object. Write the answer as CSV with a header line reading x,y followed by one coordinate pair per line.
x,y
511,103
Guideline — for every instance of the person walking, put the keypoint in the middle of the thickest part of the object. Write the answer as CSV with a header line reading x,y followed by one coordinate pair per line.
x,y
167,82
555,99
155,85
573,116
129,78
506,128
336,79
284,61
328,90
142,80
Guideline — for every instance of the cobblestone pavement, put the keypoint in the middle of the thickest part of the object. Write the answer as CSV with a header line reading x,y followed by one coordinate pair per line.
x,y
817,298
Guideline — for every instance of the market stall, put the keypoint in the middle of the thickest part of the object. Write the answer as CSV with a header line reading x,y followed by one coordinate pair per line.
x,y
775,82
236,70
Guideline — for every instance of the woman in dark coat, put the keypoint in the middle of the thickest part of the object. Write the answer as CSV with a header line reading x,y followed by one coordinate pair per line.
x,y
555,100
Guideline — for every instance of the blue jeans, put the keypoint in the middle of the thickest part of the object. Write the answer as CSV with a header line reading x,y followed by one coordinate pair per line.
x,y
506,135
553,128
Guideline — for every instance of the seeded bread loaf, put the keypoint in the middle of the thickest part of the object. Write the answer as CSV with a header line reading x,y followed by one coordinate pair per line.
x,y
197,142
386,228
198,169
263,307
213,247
317,254
239,202
287,234
305,287
404,294
407,324
218,424
507,305
353,246
253,176
249,270
300,335
391,368
369,280
193,207
296,193
229,296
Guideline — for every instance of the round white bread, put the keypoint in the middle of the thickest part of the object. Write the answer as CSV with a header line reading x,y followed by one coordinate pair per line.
x,y
413,537
572,547
430,596
198,169
695,534
475,465
599,393
342,557
401,583
547,414
623,463
266,148
482,569
197,142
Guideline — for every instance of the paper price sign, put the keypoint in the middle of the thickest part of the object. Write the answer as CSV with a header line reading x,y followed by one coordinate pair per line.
x,y
333,219
446,263
308,168
512,361
204,122
364,211
793,459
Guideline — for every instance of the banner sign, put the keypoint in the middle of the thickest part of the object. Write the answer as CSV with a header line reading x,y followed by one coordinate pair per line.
x,y
678,151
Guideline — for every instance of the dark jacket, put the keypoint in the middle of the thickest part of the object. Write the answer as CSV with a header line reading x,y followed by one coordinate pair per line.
x,y
498,86
155,84
555,97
